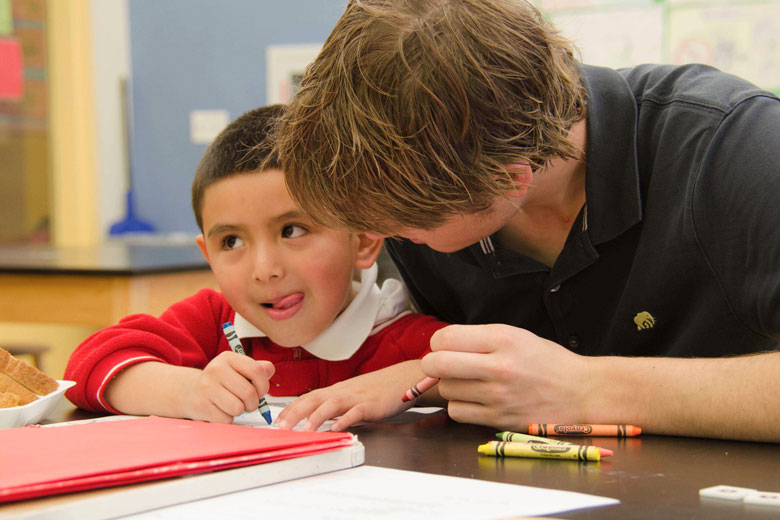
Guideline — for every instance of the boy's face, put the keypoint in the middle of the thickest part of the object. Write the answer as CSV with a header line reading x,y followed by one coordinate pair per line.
x,y
287,275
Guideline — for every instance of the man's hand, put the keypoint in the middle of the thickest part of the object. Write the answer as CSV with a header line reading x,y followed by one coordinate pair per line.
x,y
506,377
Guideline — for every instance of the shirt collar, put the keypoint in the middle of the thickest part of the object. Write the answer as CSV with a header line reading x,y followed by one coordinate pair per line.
x,y
350,328
612,179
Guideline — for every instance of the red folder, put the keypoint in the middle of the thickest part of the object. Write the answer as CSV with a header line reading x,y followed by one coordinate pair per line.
x,y
37,461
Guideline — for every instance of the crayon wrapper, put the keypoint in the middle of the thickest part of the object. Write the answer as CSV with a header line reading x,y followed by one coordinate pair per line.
x,y
529,439
540,451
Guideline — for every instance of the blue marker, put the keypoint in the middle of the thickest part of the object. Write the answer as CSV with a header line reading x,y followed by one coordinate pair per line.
x,y
235,346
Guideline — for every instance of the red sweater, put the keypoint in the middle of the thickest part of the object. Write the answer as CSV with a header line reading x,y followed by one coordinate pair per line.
x,y
190,334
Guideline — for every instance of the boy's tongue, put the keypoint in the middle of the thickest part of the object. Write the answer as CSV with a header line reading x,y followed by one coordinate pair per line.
x,y
287,301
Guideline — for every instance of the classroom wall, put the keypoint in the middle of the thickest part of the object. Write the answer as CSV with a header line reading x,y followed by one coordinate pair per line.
x,y
201,55
737,36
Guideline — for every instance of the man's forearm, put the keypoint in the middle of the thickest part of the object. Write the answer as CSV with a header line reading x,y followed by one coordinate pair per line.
x,y
731,398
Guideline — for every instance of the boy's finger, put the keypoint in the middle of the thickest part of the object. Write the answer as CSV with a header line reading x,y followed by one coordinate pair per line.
x,y
325,411
296,411
257,372
350,418
213,413
238,386
229,402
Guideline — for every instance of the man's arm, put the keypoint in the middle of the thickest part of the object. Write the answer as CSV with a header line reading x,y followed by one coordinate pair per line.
x,y
506,377
730,398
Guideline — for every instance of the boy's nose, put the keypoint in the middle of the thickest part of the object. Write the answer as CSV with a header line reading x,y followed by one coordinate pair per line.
x,y
267,265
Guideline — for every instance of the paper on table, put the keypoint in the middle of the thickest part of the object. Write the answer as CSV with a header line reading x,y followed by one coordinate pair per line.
x,y
257,420
277,404
372,492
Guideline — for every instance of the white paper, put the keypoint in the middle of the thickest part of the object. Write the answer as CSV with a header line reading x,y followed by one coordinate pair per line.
x,y
258,421
277,404
372,492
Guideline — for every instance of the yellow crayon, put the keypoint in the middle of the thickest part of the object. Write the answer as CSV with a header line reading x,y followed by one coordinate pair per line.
x,y
530,439
540,451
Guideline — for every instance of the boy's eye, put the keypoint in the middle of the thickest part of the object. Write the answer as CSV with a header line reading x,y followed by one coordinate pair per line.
x,y
231,242
293,231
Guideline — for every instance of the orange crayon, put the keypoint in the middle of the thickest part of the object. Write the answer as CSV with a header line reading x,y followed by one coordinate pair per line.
x,y
585,430
417,390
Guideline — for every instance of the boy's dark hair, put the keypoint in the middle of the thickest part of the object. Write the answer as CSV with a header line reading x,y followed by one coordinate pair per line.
x,y
244,146
413,107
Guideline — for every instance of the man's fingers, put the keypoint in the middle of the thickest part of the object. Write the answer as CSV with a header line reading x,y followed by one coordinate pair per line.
x,y
475,338
458,365
469,412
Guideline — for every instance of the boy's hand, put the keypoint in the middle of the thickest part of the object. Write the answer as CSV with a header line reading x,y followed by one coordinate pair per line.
x,y
230,385
365,398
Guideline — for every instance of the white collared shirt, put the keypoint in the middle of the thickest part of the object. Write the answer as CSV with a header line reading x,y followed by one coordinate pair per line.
x,y
370,311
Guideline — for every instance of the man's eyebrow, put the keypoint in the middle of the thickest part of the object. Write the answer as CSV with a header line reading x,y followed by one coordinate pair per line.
x,y
221,228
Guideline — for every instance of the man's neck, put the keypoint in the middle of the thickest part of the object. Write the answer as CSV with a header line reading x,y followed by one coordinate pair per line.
x,y
550,206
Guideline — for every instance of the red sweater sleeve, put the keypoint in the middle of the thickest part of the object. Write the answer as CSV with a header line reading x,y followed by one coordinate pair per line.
x,y
409,337
186,334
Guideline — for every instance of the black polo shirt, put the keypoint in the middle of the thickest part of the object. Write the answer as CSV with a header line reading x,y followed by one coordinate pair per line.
x,y
677,252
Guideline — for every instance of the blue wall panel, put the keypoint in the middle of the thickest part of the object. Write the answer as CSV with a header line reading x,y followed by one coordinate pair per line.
x,y
201,54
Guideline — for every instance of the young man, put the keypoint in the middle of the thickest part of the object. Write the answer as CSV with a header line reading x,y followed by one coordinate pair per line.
x,y
287,284
610,238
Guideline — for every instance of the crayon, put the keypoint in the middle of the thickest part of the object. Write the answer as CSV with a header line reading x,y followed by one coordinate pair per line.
x,y
540,451
417,390
235,346
531,439
586,430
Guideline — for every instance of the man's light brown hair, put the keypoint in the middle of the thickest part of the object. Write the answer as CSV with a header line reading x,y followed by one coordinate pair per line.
x,y
413,107
243,146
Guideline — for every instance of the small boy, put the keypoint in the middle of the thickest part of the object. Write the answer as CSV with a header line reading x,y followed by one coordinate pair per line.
x,y
287,285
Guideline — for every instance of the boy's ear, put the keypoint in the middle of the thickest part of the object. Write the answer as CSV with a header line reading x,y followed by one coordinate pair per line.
x,y
202,245
368,250
522,177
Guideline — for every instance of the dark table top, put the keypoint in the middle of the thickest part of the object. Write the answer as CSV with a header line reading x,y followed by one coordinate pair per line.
x,y
107,259
652,476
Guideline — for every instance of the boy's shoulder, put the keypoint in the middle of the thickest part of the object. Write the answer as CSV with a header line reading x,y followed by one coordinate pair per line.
x,y
205,301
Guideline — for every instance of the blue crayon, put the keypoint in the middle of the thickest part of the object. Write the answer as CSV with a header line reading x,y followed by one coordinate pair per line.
x,y
235,346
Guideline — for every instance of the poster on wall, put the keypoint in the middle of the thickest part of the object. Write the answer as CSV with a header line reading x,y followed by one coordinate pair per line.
x,y
285,65
612,37
740,39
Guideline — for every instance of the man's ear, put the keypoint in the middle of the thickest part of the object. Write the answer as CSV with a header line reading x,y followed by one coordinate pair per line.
x,y
522,176
368,250
202,245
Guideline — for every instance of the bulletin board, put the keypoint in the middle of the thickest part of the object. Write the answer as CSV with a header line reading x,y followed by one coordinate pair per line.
x,y
741,37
